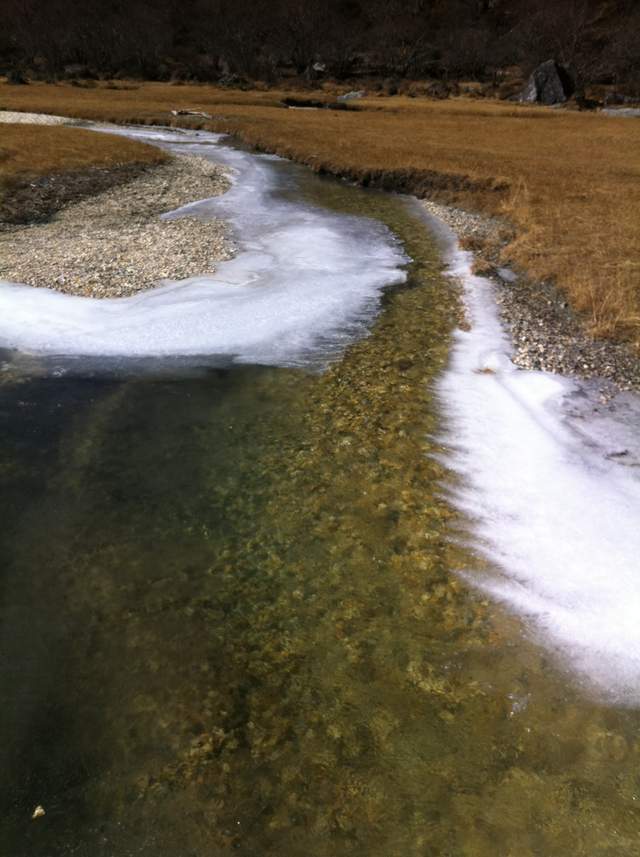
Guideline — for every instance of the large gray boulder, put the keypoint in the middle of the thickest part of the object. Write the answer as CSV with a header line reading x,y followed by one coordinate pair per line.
x,y
550,83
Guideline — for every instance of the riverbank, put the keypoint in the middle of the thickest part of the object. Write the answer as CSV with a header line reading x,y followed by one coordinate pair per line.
x,y
48,162
566,180
305,279
573,221
545,332
114,244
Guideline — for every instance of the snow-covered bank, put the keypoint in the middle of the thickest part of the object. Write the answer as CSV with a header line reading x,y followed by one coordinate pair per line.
x,y
551,485
303,279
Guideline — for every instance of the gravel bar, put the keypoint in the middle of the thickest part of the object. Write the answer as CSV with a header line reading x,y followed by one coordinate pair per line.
x,y
545,333
15,117
114,244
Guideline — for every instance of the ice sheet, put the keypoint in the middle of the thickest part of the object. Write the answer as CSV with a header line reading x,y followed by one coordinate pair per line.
x,y
550,480
304,281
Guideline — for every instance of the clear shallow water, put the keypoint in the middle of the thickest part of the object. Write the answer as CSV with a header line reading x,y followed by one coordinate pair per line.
x,y
232,621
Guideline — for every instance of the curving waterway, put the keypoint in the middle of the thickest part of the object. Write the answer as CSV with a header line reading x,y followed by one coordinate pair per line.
x,y
232,614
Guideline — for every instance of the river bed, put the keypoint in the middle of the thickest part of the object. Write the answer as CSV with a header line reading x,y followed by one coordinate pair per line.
x,y
233,615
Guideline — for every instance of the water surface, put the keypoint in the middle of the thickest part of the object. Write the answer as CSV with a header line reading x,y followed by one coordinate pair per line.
x,y
232,623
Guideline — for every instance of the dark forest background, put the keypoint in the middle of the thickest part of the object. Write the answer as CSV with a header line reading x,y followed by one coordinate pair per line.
x,y
265,40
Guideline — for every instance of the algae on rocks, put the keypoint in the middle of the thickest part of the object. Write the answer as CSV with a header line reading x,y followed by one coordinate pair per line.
x,y
256,634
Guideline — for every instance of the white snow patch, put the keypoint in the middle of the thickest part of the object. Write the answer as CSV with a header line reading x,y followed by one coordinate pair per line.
x,y
303,282
551,485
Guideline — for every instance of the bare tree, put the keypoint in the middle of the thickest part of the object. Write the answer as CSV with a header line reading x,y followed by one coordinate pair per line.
x,y
408,38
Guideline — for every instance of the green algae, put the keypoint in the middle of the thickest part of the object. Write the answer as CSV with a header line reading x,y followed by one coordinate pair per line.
x,y
246,633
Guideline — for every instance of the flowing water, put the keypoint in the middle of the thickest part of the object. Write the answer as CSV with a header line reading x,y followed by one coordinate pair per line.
x,y
232,620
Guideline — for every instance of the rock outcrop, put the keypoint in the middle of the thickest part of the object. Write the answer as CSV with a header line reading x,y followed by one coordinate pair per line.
x,y
550,83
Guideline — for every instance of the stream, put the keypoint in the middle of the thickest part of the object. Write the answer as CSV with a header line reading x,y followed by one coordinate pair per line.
x,y
236,613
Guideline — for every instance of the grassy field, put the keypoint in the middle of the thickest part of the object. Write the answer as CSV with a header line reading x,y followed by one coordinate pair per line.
x,y
35,150
567,181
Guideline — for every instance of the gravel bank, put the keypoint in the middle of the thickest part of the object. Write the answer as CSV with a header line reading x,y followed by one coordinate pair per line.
x,y
17,117
34,199
114,243
545,332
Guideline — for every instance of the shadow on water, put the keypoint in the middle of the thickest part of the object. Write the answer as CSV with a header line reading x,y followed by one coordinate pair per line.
x,y
231,622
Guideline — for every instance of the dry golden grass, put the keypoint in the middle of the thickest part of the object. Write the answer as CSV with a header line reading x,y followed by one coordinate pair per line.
x,y
567,181
33,150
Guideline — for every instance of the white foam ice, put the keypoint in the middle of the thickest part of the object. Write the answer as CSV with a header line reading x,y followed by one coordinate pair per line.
x,y
550,482
303,281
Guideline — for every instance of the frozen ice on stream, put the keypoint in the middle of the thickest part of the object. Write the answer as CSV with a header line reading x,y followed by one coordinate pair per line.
x,y
550,484
550,480
304,280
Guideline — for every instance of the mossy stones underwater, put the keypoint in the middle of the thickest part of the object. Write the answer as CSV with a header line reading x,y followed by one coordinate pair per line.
x,y
262,644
